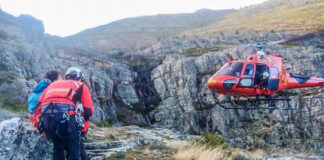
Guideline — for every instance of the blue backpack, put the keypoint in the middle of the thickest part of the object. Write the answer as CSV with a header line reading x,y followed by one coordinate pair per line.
x,y
35,95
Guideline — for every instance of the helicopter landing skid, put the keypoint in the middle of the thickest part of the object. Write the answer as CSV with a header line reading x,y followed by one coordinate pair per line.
x,y
255,103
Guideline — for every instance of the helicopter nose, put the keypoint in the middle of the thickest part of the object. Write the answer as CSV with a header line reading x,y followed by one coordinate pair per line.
x,y
214,84
211,83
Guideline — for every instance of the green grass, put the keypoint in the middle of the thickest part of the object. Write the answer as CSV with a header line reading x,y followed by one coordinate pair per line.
x,y
104,123
212,140
137,62
168,137
194,52
14,105
138,155
286,17
143,125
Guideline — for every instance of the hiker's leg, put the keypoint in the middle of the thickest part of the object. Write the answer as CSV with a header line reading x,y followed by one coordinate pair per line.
x,y
74,148
58,151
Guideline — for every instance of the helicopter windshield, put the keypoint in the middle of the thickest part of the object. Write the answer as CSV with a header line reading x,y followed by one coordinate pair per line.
x,y
233,69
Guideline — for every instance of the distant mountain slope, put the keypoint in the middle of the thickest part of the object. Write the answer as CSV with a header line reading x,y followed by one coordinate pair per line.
x,y
140,32
274,15
24,27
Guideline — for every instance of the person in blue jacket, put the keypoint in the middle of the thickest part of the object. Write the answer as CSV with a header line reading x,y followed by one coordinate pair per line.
x,y
50,77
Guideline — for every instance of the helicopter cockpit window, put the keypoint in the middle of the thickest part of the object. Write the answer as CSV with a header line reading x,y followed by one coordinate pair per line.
x,y
249,70
233,69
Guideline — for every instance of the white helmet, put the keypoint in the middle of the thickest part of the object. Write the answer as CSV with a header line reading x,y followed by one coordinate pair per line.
x,y
74,73
261,54
265,74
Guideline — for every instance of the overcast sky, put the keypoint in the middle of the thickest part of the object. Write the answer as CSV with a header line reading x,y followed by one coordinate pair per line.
x,y
67,17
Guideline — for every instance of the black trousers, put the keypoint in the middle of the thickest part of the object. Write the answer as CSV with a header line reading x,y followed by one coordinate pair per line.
x,y
83,152
73,147
64,131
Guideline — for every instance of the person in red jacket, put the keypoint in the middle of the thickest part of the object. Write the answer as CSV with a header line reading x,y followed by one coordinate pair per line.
x,y
56,114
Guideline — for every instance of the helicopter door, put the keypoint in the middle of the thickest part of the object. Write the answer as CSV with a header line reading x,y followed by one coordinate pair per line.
x,y
248,80
260,68
274,79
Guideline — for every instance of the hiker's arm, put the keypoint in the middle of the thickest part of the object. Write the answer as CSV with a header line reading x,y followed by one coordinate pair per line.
x,y
87,103
87,107
38,108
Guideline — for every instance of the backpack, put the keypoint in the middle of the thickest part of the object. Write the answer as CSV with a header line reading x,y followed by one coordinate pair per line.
x,y
35,95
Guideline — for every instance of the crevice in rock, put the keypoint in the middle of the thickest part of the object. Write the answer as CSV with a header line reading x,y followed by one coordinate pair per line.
x,y
146,92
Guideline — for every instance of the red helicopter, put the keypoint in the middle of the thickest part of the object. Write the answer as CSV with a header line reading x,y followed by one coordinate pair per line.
x,y
258,78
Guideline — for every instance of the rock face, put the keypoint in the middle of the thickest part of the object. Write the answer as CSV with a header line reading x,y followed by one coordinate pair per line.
x,y
188,105
19,141
26,54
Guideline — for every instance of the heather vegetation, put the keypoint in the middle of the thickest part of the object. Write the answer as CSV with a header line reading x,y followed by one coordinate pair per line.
x,y
298,16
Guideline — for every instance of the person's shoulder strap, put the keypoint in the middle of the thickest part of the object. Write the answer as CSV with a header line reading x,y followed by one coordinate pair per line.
x,y
78,94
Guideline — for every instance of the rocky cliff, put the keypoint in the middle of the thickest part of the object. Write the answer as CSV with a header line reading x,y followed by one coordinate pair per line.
x,y
24,62
169,90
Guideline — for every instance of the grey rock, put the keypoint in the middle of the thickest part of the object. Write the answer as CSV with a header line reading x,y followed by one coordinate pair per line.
x,y
19,141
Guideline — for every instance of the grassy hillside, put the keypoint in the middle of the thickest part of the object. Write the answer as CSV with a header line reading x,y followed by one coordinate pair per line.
x,y
296,16
140,32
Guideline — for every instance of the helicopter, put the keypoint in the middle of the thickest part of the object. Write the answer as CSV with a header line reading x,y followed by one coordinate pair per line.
x,y
260,79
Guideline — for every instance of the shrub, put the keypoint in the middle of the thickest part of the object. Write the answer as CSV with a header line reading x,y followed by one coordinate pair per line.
x,y
117,156
193,52
212,140
168,137
3,66
240,157
120,155
111,136
158,146
14,105
7,77
137,62
3,35
143,125
121,117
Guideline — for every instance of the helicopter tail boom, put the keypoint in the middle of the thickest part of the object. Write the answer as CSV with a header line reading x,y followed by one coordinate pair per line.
x,y
300,81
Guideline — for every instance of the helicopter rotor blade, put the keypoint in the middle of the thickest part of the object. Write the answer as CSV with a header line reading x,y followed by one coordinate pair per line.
x,y
263,45
292,39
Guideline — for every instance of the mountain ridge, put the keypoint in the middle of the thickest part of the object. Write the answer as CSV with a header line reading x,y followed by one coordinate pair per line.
x,y
137,33
148,29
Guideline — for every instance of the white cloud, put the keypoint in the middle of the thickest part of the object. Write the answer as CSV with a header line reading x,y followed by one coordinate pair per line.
x,y
66,17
